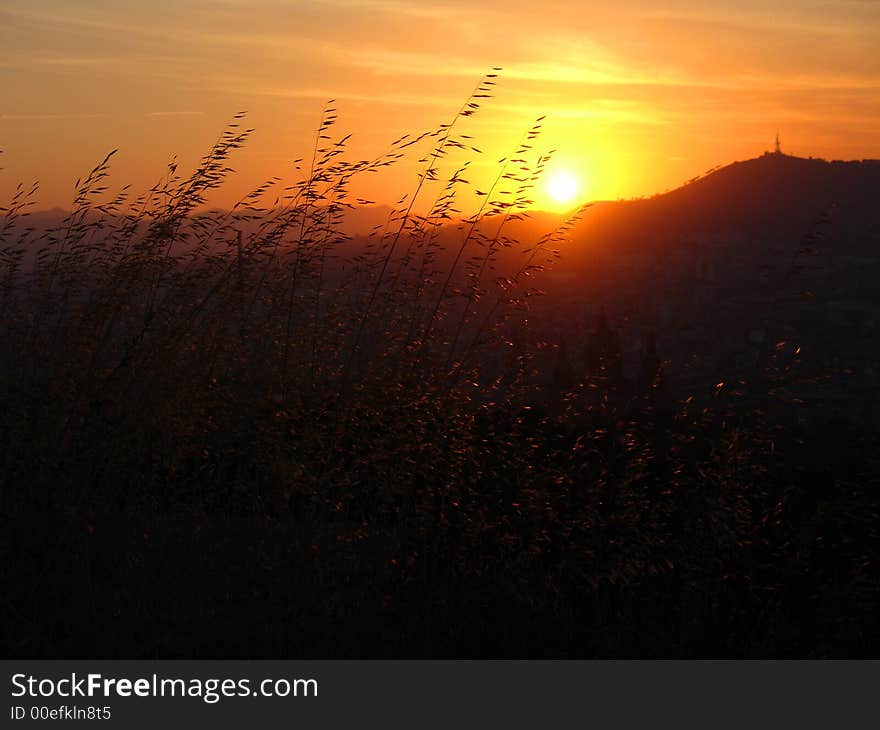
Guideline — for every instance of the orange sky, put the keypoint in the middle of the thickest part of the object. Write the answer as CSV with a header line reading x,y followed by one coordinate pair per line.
x,y
639,95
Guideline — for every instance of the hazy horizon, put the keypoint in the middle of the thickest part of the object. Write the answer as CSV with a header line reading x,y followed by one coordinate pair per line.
x,y
365,223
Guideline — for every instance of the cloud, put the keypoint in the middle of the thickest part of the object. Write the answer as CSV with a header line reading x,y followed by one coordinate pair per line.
x,y
174,114
29,117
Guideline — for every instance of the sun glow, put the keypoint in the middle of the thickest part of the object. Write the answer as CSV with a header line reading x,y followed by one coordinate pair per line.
x,y
563,187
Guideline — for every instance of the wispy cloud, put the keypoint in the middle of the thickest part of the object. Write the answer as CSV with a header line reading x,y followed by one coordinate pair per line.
x,y
174,114
29,117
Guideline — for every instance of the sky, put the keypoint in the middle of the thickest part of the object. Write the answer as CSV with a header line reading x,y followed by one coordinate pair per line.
x,y
639,95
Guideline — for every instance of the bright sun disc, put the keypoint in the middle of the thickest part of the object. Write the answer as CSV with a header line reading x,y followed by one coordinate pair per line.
x,y
562,187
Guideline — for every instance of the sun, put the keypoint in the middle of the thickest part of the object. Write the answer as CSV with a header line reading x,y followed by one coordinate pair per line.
x,y
563,187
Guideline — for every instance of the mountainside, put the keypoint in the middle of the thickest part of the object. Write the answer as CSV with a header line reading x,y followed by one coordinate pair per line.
x,y
772,194
719,272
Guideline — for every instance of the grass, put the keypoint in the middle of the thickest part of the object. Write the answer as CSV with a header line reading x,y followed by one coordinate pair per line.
x,y
241,433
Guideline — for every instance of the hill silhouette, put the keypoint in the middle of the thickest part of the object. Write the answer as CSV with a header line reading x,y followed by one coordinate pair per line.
x,y
771,194
776,248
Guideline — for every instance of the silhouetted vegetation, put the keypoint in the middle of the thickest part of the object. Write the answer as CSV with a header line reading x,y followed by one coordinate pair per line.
x,y
242,434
